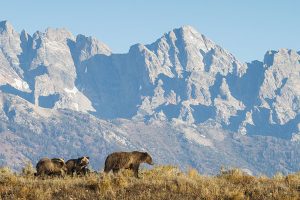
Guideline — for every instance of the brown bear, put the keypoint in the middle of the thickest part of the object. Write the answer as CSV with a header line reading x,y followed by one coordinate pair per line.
x,y
54,166
78,166
126,160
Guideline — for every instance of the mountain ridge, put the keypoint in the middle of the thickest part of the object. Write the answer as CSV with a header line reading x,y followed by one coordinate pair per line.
x,y
183,82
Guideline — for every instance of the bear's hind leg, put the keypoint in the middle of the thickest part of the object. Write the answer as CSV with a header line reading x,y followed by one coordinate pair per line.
x,y
115,171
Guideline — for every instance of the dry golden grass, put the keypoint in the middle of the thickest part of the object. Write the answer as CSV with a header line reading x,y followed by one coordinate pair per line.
x,y
161,182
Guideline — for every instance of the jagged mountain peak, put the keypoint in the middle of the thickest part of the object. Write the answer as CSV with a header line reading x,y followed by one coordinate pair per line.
x,y
187,50
53,34
90,46
6,26
137,48
190,34
58,34
184,36
279,54
7,30
183,68
187,28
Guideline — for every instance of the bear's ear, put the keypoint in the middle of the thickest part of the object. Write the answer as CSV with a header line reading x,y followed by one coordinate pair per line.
x,y
58,160
88,157
144,156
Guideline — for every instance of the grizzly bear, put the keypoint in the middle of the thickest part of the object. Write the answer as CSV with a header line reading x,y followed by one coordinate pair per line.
x,y
54,166
78,166
126,160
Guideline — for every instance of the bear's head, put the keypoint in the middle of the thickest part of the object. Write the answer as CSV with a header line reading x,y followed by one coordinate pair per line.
x,y
147,158
84,161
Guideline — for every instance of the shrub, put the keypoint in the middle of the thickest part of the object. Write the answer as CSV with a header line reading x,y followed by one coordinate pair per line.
x,y
28,170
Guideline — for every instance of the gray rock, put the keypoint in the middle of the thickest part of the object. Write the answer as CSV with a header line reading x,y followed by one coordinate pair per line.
x,y
183,98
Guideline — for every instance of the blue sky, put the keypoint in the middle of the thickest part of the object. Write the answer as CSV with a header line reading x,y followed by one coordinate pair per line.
x,y
245,28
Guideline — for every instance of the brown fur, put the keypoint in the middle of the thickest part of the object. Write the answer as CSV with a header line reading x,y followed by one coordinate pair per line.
x,y
78,166
126,160
54,166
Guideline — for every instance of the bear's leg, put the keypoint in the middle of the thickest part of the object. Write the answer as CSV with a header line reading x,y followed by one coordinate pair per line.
x,y
107,168
72,172
78,171
40,174
62,173
85,171
44,173
135,169
116,170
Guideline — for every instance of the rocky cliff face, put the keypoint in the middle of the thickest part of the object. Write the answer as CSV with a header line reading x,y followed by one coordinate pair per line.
x,y
183,87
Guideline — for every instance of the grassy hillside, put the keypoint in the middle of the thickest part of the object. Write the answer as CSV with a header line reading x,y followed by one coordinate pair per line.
x,y
161,182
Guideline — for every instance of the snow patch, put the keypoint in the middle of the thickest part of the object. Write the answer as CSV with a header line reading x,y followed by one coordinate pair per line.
x,y
76,106
113,136
195,136
191,133
296,137
21,85
73,91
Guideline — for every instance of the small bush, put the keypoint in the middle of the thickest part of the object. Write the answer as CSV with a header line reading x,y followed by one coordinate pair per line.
x,y
28,170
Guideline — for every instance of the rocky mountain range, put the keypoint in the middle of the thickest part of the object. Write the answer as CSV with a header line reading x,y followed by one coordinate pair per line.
x,y
184,99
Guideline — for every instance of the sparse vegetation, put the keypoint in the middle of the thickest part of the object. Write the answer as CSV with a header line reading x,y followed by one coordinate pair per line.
x,y
161,182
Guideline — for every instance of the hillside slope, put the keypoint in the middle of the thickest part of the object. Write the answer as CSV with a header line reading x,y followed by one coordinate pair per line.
x,y
183,98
